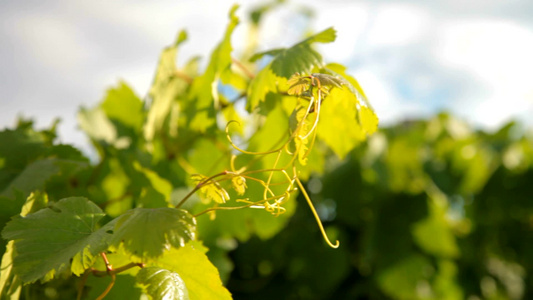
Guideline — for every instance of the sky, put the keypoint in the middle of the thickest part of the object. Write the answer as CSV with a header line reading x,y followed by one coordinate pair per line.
x,y
412,58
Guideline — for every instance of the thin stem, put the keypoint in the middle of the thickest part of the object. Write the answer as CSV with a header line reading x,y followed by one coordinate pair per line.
x,y
243,68
109,287
198,186
82,284
317,218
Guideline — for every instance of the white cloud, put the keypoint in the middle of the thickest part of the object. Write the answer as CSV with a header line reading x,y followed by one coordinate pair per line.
x,y
498,54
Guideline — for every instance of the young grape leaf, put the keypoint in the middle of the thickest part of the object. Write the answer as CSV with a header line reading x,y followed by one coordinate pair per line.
x,y
200,276
147,232
160,283
239,184
121,104
204,88
298,58
212,190
48,239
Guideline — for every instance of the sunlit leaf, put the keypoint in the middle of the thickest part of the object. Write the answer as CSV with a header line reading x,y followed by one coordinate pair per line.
x,y
66,231
211,190
298,84
300,127
168,83
434,234
123,105
156,190
239,184
204,89
200,276
10,283
400,281
160,283
147,232
264,82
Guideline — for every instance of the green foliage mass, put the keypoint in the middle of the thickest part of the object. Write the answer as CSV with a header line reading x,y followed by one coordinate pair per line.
x,y
196,189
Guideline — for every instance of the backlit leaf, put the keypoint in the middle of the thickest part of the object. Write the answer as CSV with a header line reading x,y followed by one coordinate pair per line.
x,y
160,283
204,88
10,283
200,276
211,190
239,184
147,232
168,84
264,82
123,105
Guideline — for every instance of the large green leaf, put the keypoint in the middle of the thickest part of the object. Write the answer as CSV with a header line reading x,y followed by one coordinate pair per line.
x,y
10,283
200,276
204,90
55,238
147,232
300,57
160,283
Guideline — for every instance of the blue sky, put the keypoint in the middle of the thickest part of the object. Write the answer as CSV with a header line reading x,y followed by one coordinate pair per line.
x,y
413,58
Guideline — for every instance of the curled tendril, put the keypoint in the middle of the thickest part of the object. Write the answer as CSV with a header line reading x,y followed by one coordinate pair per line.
x,y
317,218
303,87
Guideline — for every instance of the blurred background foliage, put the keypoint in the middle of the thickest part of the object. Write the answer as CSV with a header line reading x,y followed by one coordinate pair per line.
x,y
427,209
424,209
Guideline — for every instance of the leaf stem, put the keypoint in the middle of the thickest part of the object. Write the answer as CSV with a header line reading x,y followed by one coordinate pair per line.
x,y
243,68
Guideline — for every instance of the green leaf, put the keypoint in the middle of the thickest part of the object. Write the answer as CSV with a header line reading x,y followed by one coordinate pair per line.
x,y
300,57
165,89
100,129
212,190
400,281
353,84
264,82
434,234
121,104
36,174
160,283
10,283
147,232
155,191
200,276
344,121
47,240
204,90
